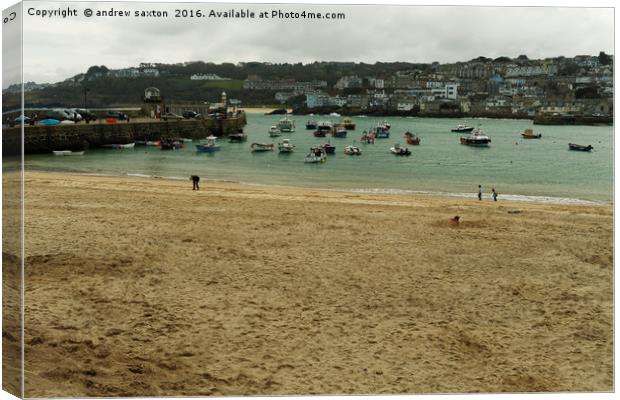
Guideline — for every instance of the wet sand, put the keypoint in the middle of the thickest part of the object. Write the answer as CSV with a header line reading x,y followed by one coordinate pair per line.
x,y
145,287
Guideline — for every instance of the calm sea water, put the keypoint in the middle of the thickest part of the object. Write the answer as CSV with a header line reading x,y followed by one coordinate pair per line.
x,y
539,170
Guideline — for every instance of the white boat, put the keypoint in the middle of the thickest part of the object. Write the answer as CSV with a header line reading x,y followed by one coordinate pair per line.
x,y
274,131
334,114
286,146
397,150
286,125
186,140
67,153
352,151
477,138
120,146
262,146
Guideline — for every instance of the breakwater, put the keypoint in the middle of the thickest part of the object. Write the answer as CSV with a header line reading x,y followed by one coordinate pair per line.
x,y
44,139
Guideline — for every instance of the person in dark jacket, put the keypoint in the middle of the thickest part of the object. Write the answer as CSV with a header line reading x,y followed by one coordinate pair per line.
x,y
195,180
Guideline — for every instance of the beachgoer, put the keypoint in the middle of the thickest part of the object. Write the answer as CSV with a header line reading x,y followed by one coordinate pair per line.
x,y
455,220
195,179
479,192
494,194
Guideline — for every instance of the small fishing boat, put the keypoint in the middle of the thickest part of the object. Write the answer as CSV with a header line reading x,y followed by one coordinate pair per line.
x,y
316,155
120,146
412,138
170,144
462,128
529,134
262,146
397,150
348,124
274,131
286,125
477,139
334,114
381,132
367,138
319,133
340,132
386,125
329,149
237,137
579,147
325,126
68,153
155,143
209,146
352,151
311,125
286,146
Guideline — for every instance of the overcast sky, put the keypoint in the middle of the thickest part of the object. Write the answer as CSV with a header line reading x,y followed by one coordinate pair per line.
x,y
57,48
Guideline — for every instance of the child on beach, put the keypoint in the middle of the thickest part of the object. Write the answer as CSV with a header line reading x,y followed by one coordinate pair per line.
x,y
479,192
494,194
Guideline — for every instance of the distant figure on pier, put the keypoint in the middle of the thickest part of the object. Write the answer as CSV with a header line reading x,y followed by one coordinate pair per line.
x,y
195,179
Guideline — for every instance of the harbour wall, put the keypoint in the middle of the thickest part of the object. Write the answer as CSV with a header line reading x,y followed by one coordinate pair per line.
x,y
44,139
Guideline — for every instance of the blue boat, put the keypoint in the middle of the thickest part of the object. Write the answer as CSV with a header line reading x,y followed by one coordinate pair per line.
x,y
340,132
209,147
381,132
311,125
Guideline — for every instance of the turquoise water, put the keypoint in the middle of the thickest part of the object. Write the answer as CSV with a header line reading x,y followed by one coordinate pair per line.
x,y
541,170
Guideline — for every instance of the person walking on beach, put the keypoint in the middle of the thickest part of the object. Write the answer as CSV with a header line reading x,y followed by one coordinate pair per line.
x,y
494,194
195,179
479,192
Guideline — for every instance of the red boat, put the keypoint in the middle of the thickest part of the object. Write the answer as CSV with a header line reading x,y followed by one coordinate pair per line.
x,y
412,138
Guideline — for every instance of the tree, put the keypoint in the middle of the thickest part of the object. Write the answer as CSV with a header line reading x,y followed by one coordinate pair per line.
x,y
603,58
502,59
522,57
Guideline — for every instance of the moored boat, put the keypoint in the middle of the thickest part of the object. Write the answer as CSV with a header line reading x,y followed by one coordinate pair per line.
x,y
579,147
316,155
237,137
412,138
462,128
348,124
367,138
397,150
286,146
352,151
262,147
286,125
325,127
68,153
311,125
381,132
274,131
329,148
209,146
339,132
529,134
120,146
477,139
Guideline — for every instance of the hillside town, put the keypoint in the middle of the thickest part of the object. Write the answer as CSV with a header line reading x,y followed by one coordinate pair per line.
x,y
561,88
501,87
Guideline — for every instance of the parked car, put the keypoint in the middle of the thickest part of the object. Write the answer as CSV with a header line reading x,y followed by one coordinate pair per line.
x,y
86,115
168,115
73,114
22,118
116,114
189,114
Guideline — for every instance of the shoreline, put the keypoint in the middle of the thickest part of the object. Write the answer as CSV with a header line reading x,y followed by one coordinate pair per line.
x,y
503,197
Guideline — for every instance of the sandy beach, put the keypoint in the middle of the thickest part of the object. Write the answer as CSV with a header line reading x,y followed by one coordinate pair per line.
x,y
138,287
